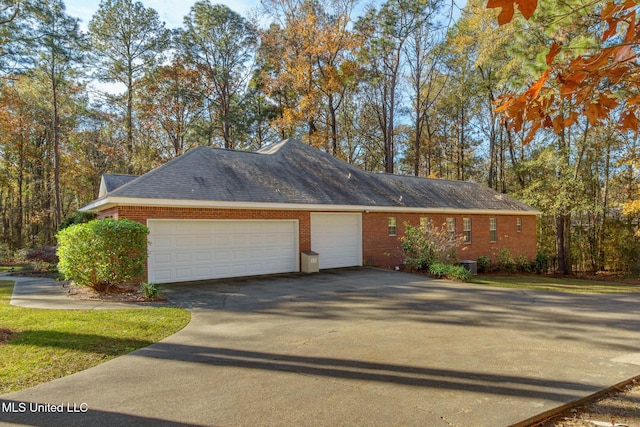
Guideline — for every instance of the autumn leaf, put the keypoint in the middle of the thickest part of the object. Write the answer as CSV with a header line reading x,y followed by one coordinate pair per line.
x,y
594,112
506,14
628,121
607,102
573,118
535,88
553,52
612,28
526,7
624,53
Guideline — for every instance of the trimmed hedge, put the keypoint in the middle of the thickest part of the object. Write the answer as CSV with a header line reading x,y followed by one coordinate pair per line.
x,y
102,254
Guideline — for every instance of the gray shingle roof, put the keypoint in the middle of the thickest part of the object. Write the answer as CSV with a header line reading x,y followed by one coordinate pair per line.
x,y
293,172
113,181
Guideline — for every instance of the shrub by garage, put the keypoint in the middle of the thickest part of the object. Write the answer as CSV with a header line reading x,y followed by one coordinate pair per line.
x,y
103,254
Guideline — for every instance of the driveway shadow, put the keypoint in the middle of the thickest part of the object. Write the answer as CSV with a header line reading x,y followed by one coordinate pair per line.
x,y
74,414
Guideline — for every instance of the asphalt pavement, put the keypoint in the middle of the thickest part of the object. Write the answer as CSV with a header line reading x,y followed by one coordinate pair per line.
x,y
348,347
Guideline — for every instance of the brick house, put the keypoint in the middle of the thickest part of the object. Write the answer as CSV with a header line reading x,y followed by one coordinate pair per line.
x,y
215,213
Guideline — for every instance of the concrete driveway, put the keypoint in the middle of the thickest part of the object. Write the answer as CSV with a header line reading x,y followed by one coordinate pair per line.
x,y
353,347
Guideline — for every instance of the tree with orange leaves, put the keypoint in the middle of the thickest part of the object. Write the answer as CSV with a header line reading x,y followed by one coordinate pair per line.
x,y
603,81
307,66
590,80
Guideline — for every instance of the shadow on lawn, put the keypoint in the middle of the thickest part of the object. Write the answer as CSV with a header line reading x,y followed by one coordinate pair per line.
x,y
89,343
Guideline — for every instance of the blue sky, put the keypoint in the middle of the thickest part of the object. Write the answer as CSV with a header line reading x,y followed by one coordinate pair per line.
x,y
172,12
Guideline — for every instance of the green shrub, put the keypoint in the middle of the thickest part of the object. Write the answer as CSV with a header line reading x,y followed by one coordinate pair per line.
x,y
438,270
505,261
541,262
484,263
458,272
149,290
102,254
79,217
523,265
448,271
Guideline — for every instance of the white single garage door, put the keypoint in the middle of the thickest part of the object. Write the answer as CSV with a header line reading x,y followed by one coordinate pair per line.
x,y
337,238
184,250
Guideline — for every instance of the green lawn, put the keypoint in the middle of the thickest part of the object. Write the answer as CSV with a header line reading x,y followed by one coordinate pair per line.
x,y
4,268
49,344
556,284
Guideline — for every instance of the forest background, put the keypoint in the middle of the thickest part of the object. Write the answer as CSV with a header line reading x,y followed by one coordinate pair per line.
x,y
397,86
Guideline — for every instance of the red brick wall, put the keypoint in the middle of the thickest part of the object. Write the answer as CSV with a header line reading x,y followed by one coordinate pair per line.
x,y
108,213
379,249
142,213
382,250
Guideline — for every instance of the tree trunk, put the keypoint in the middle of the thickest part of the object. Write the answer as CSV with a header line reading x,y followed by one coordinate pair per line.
x,y
334,127
56,153
389,149
604,200
129,118
563,243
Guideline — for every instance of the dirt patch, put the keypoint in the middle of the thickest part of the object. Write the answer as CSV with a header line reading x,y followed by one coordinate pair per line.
x,y
125,293
5,335
619,408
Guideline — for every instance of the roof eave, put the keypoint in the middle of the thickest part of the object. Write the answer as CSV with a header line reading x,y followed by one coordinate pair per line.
x,y
111,201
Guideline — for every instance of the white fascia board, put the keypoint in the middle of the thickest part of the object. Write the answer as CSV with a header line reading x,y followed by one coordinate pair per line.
x,y
108,202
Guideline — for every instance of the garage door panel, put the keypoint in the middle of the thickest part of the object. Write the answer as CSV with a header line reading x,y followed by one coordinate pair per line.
x,y
162,276
185,257
202,273
183,273
221,256
159,259
183,250
203,256
337,238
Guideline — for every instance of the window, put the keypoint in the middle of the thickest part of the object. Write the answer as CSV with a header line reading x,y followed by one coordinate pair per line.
x,y
466,229
425,223
518,225
393,227
493,231
451,229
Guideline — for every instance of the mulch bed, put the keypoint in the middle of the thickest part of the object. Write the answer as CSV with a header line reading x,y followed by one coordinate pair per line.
x,y
124,293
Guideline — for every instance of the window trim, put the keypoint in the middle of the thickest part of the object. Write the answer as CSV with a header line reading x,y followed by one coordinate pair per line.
x,y
493,230
451,229
519,225
466,232
425,223
392,226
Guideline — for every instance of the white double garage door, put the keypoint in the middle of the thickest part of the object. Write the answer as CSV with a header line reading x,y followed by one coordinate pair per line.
x,y
186,250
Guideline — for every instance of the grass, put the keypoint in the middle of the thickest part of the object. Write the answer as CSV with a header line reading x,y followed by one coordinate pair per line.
x,y
49,344
556,284
4,268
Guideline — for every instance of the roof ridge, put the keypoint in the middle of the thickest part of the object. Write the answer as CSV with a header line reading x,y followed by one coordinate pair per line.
x,y
455,181
145,176
295,172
